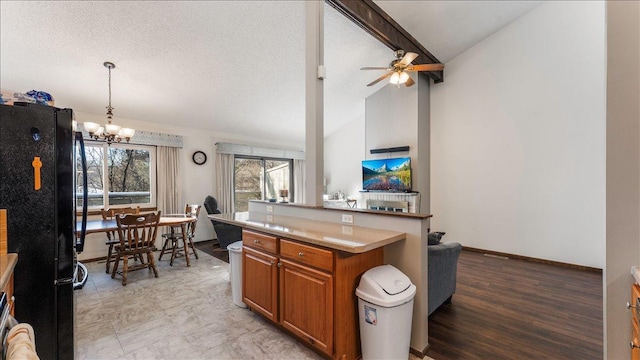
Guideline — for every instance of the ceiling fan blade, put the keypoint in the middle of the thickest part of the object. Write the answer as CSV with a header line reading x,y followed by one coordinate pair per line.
x,y
379,79
426,67
376,68
408,58
409,82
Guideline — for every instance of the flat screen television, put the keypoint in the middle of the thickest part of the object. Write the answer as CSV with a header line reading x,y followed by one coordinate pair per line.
x,y
387,174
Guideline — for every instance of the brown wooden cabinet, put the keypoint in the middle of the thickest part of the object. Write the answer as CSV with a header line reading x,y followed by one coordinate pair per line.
x,y
260,274
306,289
306,294
260,290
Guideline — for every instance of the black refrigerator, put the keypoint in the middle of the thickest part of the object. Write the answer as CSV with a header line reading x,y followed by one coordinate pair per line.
x,y
37,172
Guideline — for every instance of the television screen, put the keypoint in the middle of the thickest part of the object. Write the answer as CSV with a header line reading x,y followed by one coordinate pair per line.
x,y
387,174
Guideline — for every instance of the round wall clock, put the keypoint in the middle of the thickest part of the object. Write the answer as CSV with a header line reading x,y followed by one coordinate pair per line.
x,y
199,157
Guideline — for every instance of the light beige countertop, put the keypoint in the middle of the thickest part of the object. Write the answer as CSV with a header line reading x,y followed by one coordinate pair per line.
x,y
348,238
7,264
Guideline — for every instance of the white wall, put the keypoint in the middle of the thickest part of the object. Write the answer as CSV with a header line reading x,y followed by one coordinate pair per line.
x,y
518,138
343,154
623,171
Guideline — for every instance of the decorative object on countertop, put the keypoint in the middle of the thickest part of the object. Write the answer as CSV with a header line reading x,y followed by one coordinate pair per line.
x,y
284,193
110,132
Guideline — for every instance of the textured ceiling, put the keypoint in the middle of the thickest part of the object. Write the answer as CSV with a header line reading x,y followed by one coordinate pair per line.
x,y
227,66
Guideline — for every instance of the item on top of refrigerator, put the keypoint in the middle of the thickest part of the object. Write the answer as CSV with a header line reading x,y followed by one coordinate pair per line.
x,y
6,97
32,96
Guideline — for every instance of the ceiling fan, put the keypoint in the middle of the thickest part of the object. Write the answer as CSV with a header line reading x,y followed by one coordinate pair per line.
x,y
399,67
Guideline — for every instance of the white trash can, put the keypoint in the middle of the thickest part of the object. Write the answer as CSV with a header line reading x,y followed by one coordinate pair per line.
x,y
385,308
235,272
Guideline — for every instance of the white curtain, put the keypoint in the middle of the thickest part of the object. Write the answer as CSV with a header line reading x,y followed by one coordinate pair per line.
x,y
299,181
224,178
169,180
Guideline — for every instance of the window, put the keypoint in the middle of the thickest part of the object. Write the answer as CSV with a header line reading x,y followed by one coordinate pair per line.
x,y
118,175
261,179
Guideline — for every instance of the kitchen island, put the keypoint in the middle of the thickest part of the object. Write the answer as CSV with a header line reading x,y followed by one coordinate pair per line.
x,y
301,274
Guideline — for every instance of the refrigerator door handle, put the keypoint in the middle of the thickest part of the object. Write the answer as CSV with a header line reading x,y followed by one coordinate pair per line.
x,y
61,282
85,193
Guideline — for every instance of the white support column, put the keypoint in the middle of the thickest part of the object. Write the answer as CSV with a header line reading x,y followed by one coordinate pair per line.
x,y
314,104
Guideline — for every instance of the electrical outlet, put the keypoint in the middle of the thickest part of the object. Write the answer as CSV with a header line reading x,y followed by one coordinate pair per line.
x,y
347,218
269,218
269,208
347,230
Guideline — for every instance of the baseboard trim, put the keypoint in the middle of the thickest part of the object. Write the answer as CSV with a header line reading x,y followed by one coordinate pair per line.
x,y
102,258
418,353
532,259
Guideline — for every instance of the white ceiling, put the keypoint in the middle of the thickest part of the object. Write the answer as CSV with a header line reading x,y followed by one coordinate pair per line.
x,y
226,66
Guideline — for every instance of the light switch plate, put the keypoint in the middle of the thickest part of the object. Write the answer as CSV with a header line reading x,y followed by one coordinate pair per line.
x,y
347,230
269,208
269,218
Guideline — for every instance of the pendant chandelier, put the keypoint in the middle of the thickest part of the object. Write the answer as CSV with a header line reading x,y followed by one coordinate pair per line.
x,y
110,132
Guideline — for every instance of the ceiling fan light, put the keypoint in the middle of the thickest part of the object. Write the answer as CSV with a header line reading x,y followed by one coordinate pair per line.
x,y
395,78
403,77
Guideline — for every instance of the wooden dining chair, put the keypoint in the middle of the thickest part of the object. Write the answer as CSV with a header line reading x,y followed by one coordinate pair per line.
x,y
173,238
137,236
112,238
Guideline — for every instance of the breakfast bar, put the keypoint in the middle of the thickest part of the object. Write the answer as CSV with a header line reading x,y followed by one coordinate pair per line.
x,y
301,274
342,237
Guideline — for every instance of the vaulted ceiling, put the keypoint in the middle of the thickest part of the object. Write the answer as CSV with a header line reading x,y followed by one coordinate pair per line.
x,y
232,67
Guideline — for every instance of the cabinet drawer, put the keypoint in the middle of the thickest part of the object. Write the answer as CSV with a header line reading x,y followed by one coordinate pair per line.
x,y
260,241
308,255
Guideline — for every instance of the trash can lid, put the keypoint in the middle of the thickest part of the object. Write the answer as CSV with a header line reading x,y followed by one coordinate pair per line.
x,y
389,278
386,286
236,246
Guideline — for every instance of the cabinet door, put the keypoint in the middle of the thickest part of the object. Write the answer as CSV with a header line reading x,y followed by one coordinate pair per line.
x,y
306,304
260,282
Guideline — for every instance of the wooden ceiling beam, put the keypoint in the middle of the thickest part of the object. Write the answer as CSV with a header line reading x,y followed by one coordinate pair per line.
x,y
371,18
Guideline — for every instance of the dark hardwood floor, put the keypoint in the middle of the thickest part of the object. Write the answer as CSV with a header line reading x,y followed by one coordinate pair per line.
x,y
517,309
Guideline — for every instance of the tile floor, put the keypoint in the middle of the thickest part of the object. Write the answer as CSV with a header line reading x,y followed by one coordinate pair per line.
x,y
185,313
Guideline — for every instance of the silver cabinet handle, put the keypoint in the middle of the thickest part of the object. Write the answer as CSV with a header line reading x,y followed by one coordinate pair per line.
x,y
300,253
632,345
256,241
279,264
629,306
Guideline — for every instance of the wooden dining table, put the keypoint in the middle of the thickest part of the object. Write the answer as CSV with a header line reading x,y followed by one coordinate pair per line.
x,y
99,226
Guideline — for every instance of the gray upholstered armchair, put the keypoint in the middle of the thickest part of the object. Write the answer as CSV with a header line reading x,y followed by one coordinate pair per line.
x,y
226,233
443,265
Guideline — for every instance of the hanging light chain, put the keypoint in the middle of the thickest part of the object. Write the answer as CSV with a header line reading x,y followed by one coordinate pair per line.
x,y
109,108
